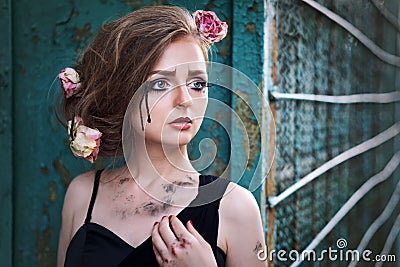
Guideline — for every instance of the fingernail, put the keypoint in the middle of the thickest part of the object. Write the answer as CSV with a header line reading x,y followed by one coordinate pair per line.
x,y
155,223
163,217
170,217
191,223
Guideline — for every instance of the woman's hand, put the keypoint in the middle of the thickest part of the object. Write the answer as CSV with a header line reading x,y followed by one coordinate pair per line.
x,y
177,245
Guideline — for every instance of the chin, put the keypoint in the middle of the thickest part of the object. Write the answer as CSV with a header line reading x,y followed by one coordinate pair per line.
x,y
180,141
185,142
171,140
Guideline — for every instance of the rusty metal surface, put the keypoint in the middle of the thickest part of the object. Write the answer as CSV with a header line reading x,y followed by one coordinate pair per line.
x,y
247,57
314,55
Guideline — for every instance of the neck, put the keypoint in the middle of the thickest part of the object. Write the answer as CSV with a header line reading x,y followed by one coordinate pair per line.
x,y
164,172
150,161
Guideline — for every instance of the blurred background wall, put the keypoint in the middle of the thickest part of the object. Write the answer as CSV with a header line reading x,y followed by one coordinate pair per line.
x,y
328,155
335,176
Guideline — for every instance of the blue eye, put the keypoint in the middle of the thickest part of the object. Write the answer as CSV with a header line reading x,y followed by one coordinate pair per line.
x,y
197,85
159,85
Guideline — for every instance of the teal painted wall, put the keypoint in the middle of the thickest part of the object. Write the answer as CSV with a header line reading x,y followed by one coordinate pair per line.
x,y
38,39
6,136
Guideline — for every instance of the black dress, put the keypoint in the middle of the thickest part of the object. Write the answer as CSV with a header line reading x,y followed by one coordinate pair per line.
x,y
95,246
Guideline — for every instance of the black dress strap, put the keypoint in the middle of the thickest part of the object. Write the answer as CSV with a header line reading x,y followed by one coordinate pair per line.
x,y
211,189
94,194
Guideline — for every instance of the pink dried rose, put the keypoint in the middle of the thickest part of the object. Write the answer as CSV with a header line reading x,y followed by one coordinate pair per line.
x,y
70,82
209,26
84,141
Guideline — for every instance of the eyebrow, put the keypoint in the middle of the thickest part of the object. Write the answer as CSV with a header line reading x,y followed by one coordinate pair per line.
x,y
170,73
197,72
163,72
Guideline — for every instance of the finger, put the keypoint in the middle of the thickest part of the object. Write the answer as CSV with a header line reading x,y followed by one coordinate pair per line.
x,y
158,242
178,228
160,260
158,256
193,231
166,232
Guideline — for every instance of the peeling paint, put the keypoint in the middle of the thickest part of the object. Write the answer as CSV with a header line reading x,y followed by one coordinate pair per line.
x,y
274,52
45,254
250,27
43,169
254,7
252,128
82,34
63,172
210,5
219,166
53,192
72,14
224,47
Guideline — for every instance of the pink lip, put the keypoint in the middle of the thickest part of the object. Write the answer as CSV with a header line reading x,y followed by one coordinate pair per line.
x,y
181,123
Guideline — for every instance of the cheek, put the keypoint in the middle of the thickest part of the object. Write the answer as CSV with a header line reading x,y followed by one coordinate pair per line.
x,y
138,110
200,105
162,110
160,105
133,115
159,101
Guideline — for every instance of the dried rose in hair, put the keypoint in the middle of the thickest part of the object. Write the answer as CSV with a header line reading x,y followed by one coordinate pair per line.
x,y
84,141
70,82
209,26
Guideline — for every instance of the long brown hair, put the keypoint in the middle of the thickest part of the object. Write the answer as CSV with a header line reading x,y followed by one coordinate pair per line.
x,y
118,62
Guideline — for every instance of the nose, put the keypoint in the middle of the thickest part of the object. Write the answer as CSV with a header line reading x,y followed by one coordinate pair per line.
x,y
182,97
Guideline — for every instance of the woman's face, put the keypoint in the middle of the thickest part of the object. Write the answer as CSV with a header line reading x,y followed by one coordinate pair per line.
x,y
177,95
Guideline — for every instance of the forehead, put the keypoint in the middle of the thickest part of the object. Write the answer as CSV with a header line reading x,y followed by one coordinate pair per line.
x,y
182,54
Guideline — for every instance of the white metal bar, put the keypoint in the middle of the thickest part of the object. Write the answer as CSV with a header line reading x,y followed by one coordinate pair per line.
x,y
352,201
375,49
382,218
386,13
382,98
348,154
392,236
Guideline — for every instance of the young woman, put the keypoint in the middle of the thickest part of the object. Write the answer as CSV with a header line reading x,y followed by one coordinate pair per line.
x,y
140,90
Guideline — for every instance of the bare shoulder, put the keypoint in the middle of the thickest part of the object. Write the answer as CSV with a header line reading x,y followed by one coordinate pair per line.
x,y
77,198
237,202
74,210
81,183
240,228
